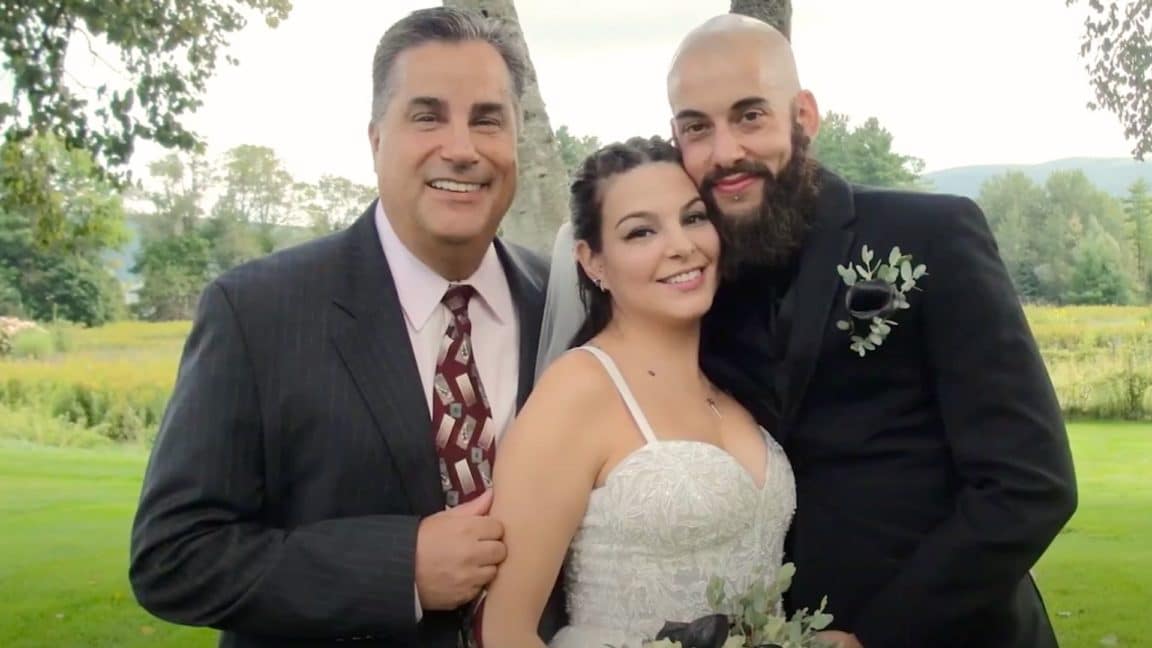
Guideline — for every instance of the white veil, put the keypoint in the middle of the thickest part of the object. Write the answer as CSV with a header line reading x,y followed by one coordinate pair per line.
x,y
563,310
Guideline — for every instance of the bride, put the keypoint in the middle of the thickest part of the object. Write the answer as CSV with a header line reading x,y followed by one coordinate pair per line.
x,y
627,468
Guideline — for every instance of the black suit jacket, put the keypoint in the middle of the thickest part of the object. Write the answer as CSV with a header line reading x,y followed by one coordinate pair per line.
x,y
934,471
295,459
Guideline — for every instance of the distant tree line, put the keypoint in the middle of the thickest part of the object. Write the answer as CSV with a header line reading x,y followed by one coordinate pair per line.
x,y
64,229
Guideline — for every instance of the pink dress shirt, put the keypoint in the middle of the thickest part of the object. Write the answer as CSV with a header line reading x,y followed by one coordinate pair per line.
x,y
495,327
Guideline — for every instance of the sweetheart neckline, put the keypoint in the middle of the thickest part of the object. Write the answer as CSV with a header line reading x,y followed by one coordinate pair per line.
x,y
759,488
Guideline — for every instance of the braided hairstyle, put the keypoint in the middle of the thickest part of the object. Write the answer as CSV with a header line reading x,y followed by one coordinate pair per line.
x,y
588,218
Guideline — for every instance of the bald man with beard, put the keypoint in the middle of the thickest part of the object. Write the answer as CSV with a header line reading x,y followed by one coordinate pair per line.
x,y
932,463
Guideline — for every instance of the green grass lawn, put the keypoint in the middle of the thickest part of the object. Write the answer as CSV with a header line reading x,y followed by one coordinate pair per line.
x,y
67,512
1097,577
63,575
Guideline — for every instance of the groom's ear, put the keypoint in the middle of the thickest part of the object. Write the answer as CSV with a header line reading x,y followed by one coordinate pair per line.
x,y
672,132
807,113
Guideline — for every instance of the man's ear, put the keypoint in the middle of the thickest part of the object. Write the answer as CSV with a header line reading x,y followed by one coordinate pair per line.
x,y
808,113
373,137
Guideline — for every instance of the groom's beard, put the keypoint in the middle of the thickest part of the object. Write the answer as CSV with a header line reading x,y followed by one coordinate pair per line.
x,y
772,236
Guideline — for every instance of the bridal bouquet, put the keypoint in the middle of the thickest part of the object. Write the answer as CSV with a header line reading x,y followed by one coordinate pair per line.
x,y
749,619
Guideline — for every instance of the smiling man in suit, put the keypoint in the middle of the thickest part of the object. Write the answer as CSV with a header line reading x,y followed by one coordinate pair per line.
x,y
321,473
932,465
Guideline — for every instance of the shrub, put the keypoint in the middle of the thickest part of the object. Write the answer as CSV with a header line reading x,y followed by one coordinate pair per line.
x,y
36,344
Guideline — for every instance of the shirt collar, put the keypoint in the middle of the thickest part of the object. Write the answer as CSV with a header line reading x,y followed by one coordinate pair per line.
x,y
420,288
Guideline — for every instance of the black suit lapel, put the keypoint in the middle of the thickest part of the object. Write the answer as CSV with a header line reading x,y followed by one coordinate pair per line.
x,y
817,283
373,341
528,296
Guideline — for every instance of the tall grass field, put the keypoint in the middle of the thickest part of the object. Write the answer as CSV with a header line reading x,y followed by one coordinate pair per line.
x,y
79,407
114,381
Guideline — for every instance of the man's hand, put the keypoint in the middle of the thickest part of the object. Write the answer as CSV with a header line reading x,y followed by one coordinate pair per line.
x,y
839,639
457,552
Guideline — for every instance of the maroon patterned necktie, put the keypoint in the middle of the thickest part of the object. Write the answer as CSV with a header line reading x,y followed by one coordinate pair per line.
x,y
461,415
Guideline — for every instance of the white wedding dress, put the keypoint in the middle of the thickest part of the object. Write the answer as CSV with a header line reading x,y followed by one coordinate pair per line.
x,y
669,517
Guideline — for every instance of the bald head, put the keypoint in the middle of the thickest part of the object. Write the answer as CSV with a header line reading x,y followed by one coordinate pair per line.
x,y
738,108
735,38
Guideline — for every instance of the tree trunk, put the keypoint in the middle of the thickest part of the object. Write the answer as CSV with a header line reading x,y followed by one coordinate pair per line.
x,y
777,13
541,203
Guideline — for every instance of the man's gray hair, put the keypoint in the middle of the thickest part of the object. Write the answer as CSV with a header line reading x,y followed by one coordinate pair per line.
x,y
443,25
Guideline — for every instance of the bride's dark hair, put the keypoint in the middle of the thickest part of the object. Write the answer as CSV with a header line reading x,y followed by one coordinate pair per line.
x,y
587,215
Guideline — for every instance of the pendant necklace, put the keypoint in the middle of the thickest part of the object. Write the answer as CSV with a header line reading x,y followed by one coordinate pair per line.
x,y
707,399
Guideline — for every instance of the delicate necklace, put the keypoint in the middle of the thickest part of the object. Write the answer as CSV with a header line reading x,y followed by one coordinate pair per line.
x,y
712,404
707,399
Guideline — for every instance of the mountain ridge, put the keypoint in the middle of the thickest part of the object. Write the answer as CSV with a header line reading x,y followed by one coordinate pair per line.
x,y
1111,175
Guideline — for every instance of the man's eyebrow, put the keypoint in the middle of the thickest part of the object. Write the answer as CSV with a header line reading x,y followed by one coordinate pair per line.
x,y
690,113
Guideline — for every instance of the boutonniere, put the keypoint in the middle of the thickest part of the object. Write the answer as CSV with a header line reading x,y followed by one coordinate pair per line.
x,y
875,293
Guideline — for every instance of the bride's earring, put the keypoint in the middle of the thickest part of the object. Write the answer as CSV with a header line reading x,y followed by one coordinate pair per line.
x,y
599,284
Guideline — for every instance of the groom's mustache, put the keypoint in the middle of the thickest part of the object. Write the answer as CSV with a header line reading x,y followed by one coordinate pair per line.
x,y
743,167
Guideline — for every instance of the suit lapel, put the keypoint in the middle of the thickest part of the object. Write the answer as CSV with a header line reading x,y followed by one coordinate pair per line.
x,y
817,284
528,296
374,344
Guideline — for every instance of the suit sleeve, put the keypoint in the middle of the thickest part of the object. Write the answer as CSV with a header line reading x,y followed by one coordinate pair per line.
x,y
1008,442
201,551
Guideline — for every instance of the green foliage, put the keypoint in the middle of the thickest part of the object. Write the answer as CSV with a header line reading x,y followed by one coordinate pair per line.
x,y
11,301
1117,50
50,188
898,274
1015,208
332,203
1138,218
71,288
35,344
261,208
755,613
36,426
167,52
117,378
777,13
180,183
113,381
57,219
1066,242
864,154
256,192
1096,276
575,149
175,271
1099,359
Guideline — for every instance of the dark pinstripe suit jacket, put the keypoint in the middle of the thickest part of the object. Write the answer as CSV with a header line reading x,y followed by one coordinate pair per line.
x,y
295,459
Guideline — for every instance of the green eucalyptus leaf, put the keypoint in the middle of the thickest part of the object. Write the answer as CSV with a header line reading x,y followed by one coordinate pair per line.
x,y
894,256
820,620
847,274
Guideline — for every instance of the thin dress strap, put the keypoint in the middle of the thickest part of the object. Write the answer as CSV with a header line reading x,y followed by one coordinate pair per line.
x,y
625,393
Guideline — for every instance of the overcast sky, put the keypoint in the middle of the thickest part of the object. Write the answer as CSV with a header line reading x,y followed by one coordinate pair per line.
x,y
957,82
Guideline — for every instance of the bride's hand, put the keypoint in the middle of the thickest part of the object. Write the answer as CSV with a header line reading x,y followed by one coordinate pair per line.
x,y
839,639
